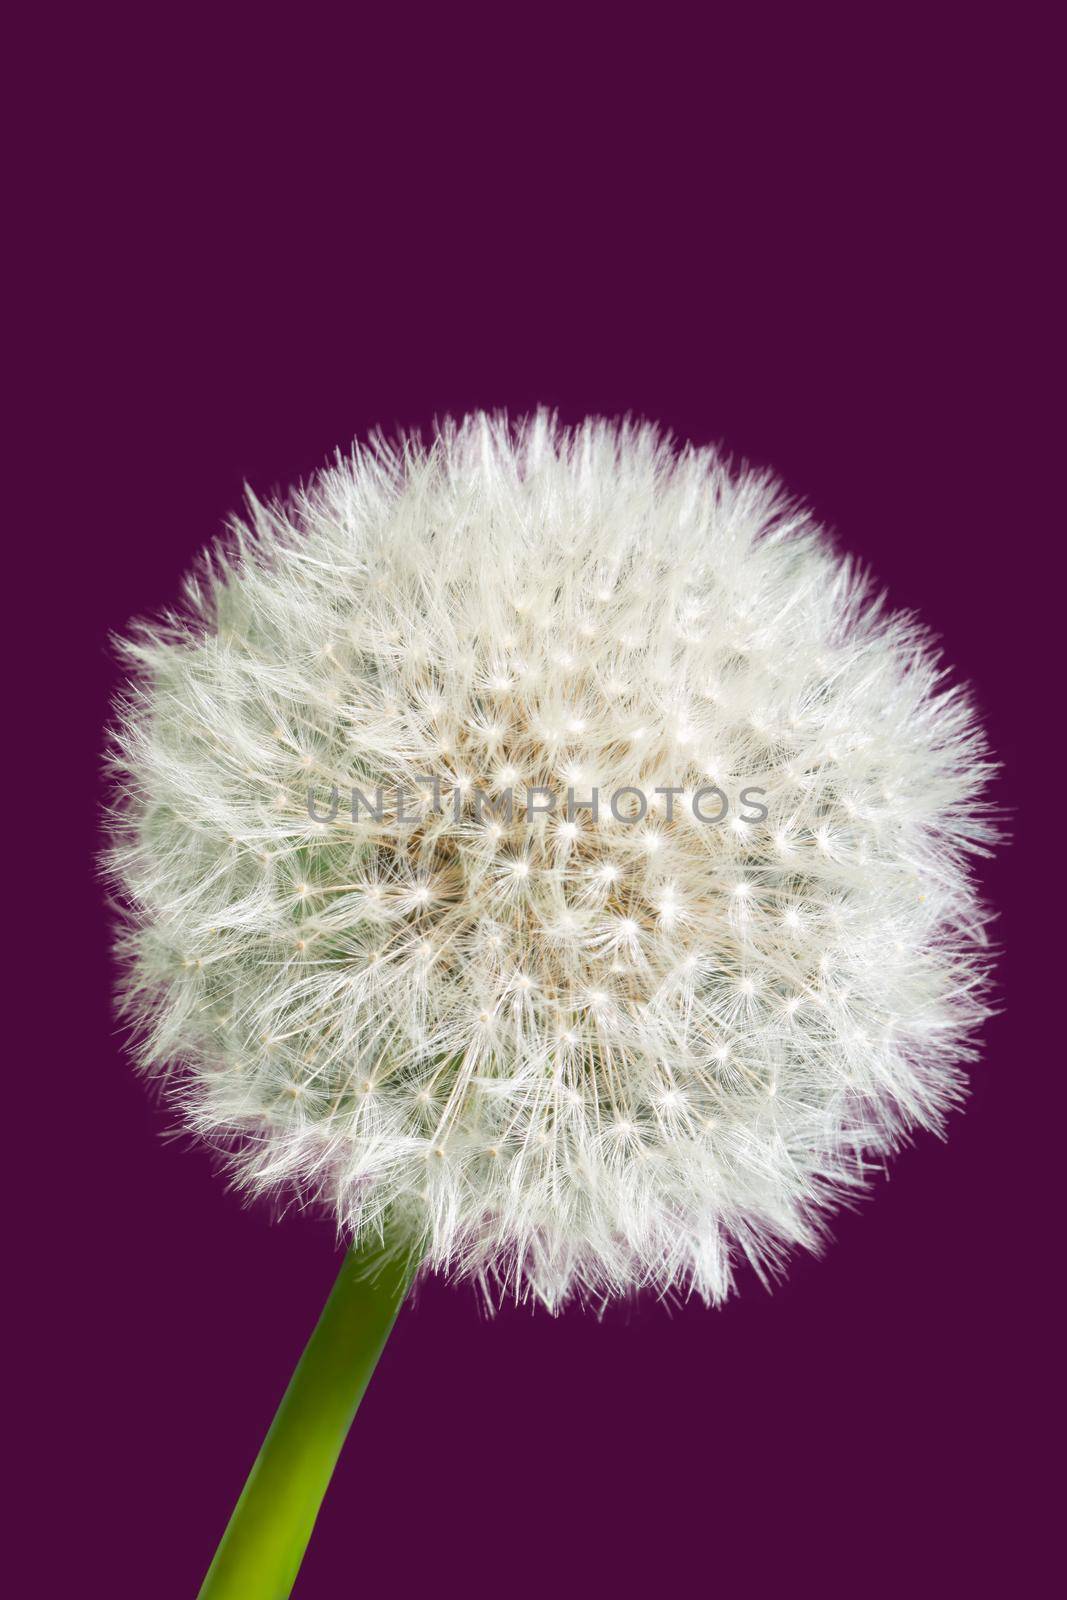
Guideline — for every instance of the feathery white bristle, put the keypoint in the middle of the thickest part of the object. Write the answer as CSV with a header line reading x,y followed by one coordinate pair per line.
x,y
578,1053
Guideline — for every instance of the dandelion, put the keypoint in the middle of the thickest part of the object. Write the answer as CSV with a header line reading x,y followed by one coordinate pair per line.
x,y
607,1052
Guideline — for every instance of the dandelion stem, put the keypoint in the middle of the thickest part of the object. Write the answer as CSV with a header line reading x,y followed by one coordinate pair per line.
x,y
264,1544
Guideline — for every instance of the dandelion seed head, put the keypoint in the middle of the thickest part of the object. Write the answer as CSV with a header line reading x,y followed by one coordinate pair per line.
x,y
576,1055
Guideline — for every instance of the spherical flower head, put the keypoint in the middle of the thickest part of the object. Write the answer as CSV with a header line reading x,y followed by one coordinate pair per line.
x,y
539,844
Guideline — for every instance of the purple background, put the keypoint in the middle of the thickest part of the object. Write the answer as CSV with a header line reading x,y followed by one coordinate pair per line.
x,y
820,242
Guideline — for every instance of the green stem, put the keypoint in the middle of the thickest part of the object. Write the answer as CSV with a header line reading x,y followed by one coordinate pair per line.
x,y
264,1544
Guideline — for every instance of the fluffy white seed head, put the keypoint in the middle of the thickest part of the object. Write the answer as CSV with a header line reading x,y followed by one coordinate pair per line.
x,y
567,1050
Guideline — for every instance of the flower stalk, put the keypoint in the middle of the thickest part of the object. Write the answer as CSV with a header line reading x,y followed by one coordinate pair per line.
x,y
261,1551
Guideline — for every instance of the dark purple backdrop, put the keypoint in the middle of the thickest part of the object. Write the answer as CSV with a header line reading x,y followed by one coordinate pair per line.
x,y
820,242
